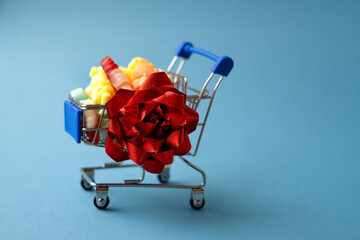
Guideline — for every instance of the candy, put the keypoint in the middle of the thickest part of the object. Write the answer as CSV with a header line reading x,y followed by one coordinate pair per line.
x,y
141,72
100,89
118,79
136,61
88,90
127,71
109,78
79,94
105,81
104,124
91,117
142,69
93,71
82,101
138,82
102,94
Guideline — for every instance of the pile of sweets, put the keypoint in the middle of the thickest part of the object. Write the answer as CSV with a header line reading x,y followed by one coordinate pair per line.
x,y
109,78
145,118
106,81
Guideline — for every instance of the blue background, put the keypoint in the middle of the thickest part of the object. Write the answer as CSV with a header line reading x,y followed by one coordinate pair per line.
x,y
281,148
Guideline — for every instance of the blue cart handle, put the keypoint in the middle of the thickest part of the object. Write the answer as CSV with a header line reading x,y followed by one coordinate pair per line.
x,y
222,66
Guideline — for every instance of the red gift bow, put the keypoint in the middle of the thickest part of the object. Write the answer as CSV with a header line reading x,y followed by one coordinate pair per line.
x,y
150,125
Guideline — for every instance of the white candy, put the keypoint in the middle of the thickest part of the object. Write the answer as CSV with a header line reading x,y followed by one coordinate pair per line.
x,y
91,117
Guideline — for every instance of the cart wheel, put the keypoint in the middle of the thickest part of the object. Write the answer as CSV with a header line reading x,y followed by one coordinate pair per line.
x,y
101,203
164,178
198,205
85,184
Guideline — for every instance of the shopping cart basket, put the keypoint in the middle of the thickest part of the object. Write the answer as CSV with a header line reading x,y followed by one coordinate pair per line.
x,y
75,126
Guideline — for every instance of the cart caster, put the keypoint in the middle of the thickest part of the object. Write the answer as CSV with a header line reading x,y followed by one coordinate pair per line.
x,y
85,185
197,200
164,178
101,200
164,175
101,203
198,204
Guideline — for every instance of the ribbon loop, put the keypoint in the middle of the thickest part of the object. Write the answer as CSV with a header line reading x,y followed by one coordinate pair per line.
x,y
151,125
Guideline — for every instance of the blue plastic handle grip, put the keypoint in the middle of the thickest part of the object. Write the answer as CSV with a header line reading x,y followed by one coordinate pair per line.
x,y
222,66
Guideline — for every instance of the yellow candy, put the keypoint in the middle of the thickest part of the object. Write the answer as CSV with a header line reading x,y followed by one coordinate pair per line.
x,y
88,90
93,71
105,97
100,89
96,94
138,60
127,71
100,79
109,89
88,102
102,94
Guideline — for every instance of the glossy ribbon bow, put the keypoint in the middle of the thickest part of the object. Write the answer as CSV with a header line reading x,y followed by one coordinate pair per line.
x,y
150,125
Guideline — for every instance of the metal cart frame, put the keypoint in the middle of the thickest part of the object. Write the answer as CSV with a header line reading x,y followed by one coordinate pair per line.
x,y
222,67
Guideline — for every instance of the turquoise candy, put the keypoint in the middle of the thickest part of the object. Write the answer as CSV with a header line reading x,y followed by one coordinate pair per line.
x,y
79,94
82,101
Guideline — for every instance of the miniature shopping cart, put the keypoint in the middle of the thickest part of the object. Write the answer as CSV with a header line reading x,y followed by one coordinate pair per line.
x,y
75,126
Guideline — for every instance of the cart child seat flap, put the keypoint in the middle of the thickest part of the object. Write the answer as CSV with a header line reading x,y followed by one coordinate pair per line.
x,y
73,120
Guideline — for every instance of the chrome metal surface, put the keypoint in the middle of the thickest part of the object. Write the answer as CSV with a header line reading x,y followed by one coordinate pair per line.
x,y
197,169
139,180
206,116
172,63
93,137
165,174
136,183
197,196
101,195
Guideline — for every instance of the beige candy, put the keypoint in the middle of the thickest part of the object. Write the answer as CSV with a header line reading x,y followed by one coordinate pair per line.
x,y
104,125
91,117
105,119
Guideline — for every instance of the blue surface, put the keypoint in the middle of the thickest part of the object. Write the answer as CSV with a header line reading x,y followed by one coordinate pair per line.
x,y
282,145
72,120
